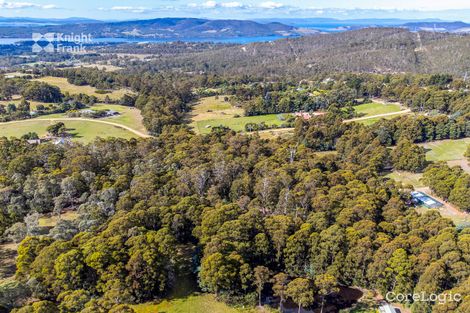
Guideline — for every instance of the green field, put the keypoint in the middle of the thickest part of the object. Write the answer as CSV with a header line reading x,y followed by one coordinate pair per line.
x,y
65,86
407,178
128,116
205,303
446,150
374,108
211,112
238,124
83,131
217,105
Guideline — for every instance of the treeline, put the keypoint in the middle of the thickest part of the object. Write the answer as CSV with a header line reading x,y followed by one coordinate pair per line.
x,y
243,217
164,99
53,100
422,93
322,132
451,184
30,90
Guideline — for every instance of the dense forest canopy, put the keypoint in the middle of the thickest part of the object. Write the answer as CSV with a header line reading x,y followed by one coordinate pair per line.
x,y
243,206
371,50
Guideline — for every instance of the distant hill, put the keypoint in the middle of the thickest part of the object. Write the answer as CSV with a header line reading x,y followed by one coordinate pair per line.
x,y
29,21
174,28
374,50
336,25
451,27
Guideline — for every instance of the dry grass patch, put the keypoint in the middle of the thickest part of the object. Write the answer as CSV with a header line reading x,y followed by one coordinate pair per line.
x,y
212,108
51,221
65,86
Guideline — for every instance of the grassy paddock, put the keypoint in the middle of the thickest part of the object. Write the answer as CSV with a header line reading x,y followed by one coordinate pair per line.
x,y
203,303
211,112
238,124
83,131
103,67
407,178
213,108
446,150
128,116
374,108
65,86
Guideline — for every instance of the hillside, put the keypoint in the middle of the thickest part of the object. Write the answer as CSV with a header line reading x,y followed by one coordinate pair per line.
x,y
160,28
375,50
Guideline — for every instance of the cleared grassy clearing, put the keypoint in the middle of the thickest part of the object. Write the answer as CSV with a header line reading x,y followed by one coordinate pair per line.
x,y
449,211
51,221
374,108
460,220
105,67
211,108
211,112
407,178
128,116
446,150
459,217
203,303
33,104
65,86
275,133
450,151
83,131
238,124
15,74
214,111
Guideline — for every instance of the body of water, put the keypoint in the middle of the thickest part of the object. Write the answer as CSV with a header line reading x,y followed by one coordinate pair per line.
x,y
240,40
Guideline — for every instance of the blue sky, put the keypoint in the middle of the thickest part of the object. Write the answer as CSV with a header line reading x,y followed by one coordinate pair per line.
x,y
243,9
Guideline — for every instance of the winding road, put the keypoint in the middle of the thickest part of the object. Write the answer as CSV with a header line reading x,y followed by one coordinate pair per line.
x,y
282,130
144,135
378,115
138,133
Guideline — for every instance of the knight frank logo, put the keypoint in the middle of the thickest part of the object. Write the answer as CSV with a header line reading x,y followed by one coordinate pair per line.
x,y
60,43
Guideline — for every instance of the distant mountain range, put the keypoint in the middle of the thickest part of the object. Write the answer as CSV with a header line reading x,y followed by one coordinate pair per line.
x,y
337,25
176,28
450,27
29,21
195,28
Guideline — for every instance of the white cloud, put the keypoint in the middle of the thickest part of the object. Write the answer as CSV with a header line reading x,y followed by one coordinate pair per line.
x,y
49,6
24,5
214,5
271,5
127,9
231,5
209,4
